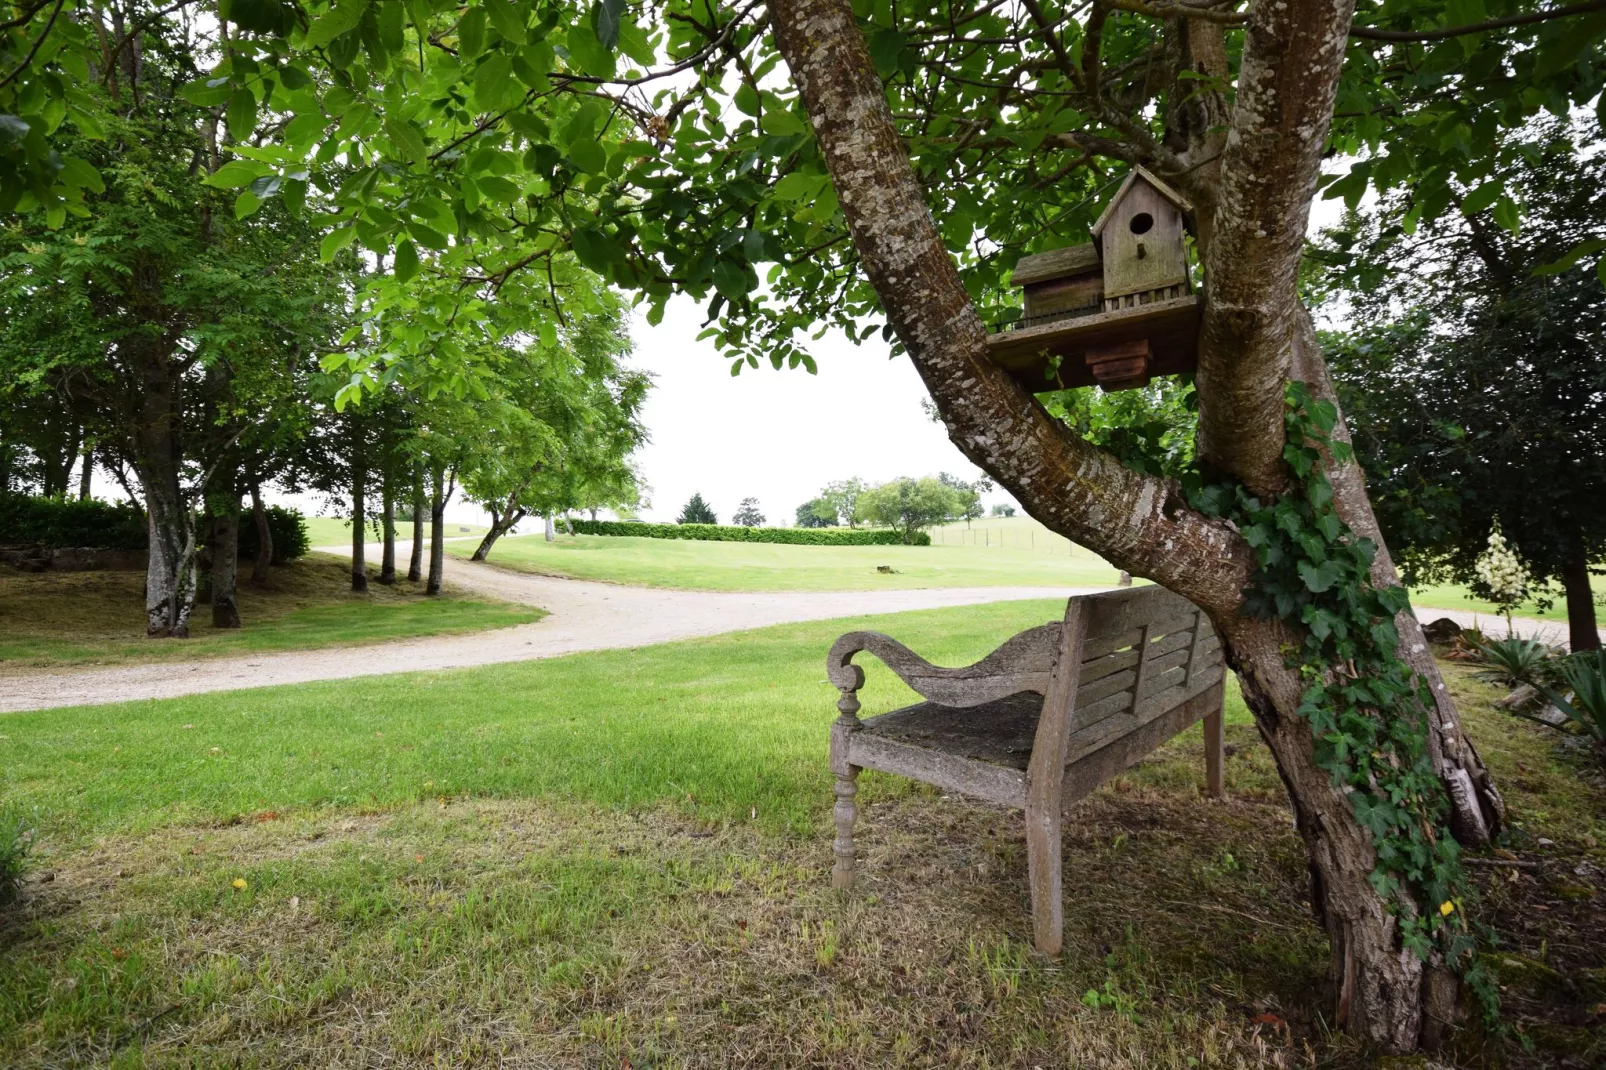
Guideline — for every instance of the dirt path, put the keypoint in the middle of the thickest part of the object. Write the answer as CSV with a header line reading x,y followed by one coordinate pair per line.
x,y
583,616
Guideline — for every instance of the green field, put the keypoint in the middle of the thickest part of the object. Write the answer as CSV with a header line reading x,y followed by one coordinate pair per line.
x,y
758,566
621,858
55,619
335,531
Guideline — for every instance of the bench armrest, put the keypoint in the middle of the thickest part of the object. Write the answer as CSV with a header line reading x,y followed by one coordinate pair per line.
x,y
1024,663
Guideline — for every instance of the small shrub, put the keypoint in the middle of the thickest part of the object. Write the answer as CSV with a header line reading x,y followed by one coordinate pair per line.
x,y
1583,675
16,840
1513,661
288,529
722,533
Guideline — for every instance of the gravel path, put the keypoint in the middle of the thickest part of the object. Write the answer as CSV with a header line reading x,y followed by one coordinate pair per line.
x,y
582,616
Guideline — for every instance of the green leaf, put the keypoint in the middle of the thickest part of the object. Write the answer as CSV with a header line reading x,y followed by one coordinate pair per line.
x,y
207,92
428,237
232,175
341,19
405,265
508,21
595,249
246,204
589,156
634,43
335,241
1575,254
1482,197
782,123
407,138
242,115
606,16
746,99
79,174
1507,214
731,280
885,48
471,34
498,189
1319,578
582,126
495,89
586,54
303,130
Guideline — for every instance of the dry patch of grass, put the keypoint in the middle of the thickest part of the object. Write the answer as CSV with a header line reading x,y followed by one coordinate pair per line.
x,y
52,619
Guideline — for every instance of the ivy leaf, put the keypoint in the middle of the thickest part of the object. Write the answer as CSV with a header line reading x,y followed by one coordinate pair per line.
x,y
1319,492
1319,578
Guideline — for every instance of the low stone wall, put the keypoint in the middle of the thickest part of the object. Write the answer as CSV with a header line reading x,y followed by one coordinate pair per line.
x,y
72,559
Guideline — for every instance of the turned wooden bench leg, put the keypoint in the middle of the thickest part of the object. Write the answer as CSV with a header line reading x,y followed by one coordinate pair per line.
x,y
1215,752
1043,864
846,810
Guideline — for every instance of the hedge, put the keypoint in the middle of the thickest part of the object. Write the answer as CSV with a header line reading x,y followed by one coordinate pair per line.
x,y
56,523
727,533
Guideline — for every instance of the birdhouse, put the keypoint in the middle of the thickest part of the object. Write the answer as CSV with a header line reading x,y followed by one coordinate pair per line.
x,y
1115,311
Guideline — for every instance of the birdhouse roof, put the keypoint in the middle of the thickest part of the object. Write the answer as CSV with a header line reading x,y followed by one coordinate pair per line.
x,y
1055,264
1164,190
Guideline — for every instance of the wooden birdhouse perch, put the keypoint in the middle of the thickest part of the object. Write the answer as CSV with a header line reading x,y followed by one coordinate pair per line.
x,y
1115,311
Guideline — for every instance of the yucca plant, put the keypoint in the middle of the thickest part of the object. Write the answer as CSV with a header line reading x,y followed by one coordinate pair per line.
x,y
1584,677
1513,661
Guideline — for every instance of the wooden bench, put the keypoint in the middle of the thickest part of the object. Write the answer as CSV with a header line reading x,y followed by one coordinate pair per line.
x,y
1039,723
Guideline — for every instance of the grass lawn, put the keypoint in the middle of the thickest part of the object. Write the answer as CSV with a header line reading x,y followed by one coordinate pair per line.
x,y
53,619
336,531
758,566
621,858
1455,596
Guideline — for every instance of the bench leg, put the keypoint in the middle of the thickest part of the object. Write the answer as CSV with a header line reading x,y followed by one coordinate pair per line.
x,y
1215,752
846,813
1043,834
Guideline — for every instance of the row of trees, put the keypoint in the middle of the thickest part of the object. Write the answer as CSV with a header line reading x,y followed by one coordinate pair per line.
x,y
907,505
199,351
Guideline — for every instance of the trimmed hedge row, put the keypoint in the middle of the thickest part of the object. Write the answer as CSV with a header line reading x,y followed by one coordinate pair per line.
x,y
58,523
726,533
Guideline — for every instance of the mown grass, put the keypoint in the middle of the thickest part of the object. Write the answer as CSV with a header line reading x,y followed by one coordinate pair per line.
x,y
621,858
743,566
54,619
336,531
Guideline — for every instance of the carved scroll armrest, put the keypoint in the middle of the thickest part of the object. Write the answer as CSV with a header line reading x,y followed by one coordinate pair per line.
x,y
1022,664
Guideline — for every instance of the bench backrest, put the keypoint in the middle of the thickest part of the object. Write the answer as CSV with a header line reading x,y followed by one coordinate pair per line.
x,y
1143,650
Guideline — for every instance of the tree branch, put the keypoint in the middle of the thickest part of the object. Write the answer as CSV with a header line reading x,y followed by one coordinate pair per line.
x,y
1368,33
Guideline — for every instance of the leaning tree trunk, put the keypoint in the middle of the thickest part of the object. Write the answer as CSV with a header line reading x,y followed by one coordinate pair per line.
x,y
1139,523
387,519
225,563
415,563
501,524
264,559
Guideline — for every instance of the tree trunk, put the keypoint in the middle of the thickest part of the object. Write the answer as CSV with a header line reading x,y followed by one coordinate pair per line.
x,y
1582,633
415,564
359,522
264,560
501,524
1143,524
387,520
551,535
158,462
437,537
86,478
225,563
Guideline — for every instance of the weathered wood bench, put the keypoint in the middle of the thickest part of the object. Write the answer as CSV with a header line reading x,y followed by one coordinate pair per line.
x,y
1039,723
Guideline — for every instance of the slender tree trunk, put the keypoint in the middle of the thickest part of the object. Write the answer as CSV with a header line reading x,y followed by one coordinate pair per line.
x,y
501,524
1252,327
387,519
226,563
551,535
359,521
437,536
415,564
264,559
87,476
1581,630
